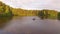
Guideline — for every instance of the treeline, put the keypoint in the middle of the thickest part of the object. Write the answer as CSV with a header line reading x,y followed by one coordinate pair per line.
x,y
6,10
48,14
43,14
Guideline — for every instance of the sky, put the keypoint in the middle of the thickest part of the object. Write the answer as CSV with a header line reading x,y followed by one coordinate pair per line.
x,y
34,4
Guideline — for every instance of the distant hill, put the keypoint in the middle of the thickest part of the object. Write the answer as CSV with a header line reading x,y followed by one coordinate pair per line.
x,y
16,11
6,10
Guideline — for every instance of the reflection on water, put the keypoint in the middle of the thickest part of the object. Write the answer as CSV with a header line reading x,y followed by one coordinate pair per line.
x,y
30,25
4,21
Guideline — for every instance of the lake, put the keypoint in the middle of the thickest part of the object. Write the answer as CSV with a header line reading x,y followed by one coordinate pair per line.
x,y
29,25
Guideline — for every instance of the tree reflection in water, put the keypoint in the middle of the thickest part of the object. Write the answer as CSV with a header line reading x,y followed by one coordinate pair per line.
x,y
4,21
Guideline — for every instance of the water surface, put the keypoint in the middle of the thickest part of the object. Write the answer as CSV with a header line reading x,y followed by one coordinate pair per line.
x,y
30,25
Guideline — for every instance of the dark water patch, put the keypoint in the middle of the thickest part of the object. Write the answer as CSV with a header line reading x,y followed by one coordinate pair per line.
x,y
4,21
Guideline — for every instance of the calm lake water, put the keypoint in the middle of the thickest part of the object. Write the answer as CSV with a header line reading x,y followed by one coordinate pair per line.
x,y
29,25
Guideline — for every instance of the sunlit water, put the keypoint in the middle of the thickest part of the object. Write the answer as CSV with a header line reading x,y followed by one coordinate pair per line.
x,y
30,25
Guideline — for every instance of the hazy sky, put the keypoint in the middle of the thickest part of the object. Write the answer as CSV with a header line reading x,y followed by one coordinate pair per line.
x,y
34,4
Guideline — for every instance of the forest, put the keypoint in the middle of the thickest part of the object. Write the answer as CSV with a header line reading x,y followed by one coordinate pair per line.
x,y
7,11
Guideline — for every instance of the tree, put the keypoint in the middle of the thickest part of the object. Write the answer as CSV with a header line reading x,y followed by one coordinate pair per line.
x,y
41,14
5,10
58,17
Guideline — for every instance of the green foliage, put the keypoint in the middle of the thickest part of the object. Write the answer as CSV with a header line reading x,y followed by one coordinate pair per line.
x,y
5,10
41,14
58,16
44,14
51,14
